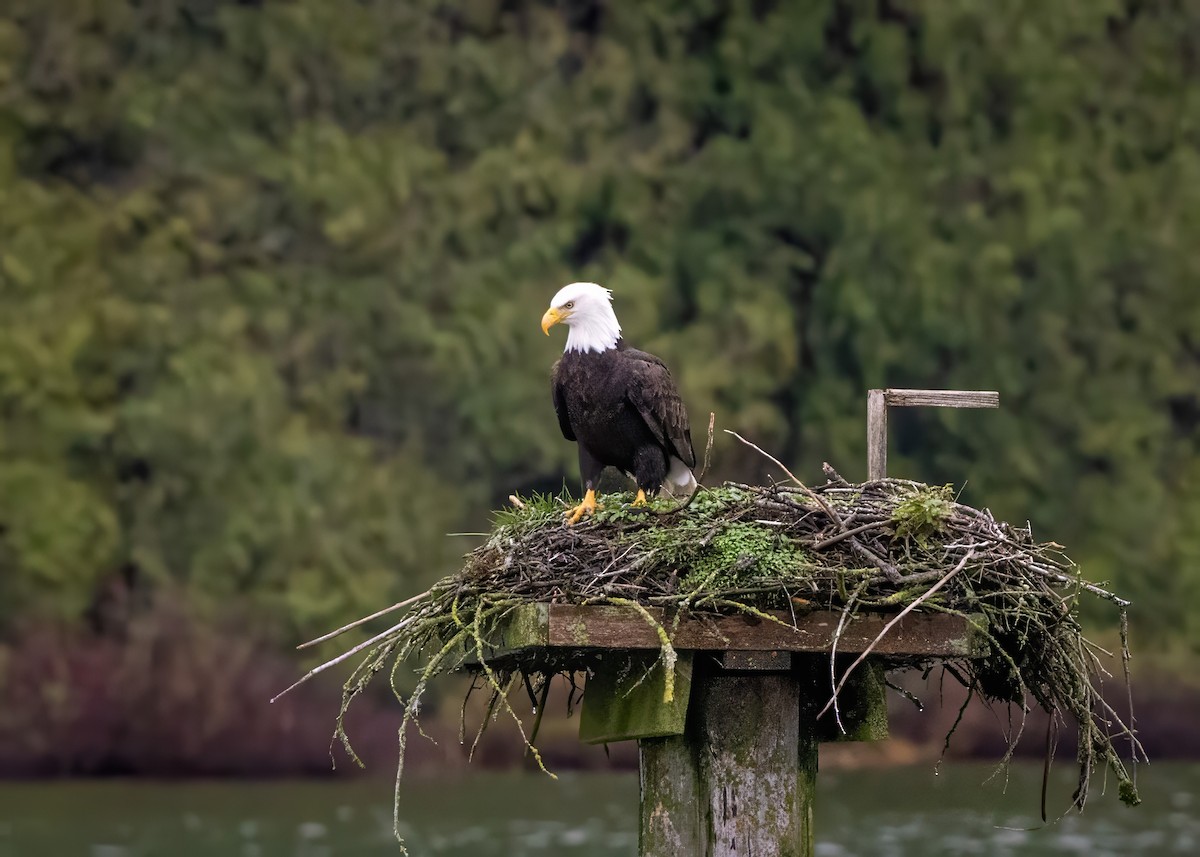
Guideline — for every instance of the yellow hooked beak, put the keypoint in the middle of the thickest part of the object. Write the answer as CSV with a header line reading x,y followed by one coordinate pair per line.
x,y
552,317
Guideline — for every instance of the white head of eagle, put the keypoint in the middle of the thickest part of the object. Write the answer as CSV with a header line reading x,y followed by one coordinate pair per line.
x,y
586,309
620,405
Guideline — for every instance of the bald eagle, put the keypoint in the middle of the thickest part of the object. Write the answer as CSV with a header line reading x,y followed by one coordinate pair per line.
x,y
618,404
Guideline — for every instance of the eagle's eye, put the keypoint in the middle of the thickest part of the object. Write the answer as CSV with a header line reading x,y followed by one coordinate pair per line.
x,y
570,304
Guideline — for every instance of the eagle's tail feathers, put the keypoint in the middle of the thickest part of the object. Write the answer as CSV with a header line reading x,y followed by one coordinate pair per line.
x,y
680,480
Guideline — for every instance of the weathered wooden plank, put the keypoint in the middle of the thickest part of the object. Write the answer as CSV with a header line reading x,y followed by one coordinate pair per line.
x,y
613,627
625,699
523,627
527,625
741,780
876,435
940,398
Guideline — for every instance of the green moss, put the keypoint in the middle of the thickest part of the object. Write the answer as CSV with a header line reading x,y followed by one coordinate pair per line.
x,y
579,633
732,554
1129,793
717,553
923,514
743,551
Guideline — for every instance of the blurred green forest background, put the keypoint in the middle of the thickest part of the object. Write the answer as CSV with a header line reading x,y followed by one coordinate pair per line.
x,y
271,275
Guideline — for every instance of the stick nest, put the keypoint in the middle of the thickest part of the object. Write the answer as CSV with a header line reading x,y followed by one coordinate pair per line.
x,y
890,545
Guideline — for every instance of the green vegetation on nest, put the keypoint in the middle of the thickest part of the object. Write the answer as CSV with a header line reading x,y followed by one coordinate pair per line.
x,y
717,552
924,514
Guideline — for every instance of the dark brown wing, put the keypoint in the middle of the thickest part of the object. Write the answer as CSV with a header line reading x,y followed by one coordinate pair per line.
x,y
653,393
560,403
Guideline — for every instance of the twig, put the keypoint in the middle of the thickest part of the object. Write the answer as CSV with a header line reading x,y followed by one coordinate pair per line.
x,y
889,571
837,637
833,540
808,491
540,707
1090,587
365,619
366,644
712,421
893,574
832,475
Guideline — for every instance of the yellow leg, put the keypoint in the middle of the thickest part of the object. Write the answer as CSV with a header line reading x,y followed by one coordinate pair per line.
x,y
587,507
641,498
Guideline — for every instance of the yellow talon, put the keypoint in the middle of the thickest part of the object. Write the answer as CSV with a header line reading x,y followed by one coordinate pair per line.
x,y
641,498
587,507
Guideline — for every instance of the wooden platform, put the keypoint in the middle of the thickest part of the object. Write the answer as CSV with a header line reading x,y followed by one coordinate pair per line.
x,y
730,729
556,630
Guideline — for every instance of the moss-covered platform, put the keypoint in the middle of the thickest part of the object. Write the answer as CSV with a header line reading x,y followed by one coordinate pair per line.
x,y
731,634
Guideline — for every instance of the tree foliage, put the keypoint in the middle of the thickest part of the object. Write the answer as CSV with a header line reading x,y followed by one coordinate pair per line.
x,y
270,273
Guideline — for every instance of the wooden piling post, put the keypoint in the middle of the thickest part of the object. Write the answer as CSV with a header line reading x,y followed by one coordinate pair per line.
x,y
742,777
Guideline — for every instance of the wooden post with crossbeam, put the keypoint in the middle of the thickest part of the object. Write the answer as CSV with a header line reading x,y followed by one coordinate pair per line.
x,y
878,401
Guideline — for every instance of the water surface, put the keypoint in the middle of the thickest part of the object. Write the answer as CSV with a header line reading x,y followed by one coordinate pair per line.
x,y
907,812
